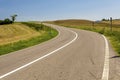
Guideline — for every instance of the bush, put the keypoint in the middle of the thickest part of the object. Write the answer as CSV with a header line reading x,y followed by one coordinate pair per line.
x,y
1,22
6,21
37,27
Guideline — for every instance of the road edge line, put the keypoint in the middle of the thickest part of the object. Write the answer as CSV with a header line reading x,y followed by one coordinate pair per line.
x,y
105,75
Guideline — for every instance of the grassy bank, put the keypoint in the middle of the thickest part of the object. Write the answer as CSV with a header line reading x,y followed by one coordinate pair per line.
x,y
14,32
101,27
45,33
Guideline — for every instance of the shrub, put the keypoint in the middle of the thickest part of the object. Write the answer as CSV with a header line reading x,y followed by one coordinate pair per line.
x,y
37,27
1,22
5,21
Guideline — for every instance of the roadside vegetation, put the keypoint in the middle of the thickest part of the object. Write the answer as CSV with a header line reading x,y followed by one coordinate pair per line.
x,y
102,27
17,36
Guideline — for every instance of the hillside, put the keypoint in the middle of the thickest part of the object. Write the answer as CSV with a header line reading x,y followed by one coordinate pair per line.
x,y
15,32
71,22
115,22
85,23
18,36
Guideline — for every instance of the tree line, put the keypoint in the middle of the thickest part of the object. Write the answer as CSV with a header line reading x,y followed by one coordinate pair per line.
x,y
8,21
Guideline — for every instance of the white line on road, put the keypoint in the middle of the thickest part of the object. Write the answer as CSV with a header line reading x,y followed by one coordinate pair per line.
x,y
105,75
26,65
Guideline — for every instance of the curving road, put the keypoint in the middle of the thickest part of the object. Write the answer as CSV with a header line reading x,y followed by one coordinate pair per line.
x,y
72,55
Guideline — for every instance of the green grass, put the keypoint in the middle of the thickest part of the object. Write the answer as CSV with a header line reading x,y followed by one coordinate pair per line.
x,y
47,34
114,38
102,28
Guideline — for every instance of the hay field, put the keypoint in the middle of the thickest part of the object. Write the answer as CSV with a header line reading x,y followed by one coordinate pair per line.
x,y
14,32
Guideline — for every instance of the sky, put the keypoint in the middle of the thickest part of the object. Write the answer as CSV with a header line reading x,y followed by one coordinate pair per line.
x,y
41,10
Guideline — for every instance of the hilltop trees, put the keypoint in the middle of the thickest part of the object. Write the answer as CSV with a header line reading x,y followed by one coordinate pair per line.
x,y
8,21
5,21
13,17
105,19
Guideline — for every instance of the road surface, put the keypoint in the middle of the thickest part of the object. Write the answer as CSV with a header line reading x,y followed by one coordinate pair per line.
x,y
72,55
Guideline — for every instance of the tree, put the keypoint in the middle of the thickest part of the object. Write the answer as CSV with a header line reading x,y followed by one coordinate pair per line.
x,y
103,19
14,17
1,22
7,21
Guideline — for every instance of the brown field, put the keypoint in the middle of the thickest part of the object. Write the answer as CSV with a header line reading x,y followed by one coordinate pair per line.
x,y
74,23
71,22
115,22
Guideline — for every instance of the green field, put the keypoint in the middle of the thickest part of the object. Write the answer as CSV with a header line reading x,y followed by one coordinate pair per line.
x,y
17,36
102,27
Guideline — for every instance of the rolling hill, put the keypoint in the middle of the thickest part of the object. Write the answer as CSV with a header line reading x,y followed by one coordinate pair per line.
x,y
18,36
71,22
14,32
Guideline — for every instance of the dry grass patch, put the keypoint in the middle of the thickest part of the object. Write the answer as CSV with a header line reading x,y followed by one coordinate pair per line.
x,y
15,32
71,22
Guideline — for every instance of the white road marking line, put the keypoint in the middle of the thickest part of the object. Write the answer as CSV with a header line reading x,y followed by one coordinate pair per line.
x,y
105,75
26,65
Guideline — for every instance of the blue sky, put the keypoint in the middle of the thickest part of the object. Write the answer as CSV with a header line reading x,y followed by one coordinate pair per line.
x,y
29,10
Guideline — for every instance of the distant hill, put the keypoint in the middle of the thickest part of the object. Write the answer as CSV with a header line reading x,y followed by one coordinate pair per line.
x,y
77,22
71,22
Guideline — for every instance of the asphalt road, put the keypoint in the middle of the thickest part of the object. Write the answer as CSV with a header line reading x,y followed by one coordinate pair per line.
x,y
72,55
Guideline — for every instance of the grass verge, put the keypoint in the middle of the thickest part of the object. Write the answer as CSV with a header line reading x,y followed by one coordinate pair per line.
x,y
47,33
